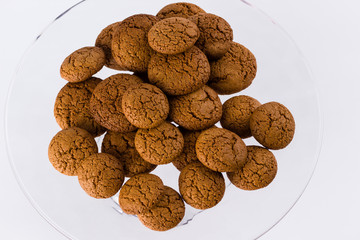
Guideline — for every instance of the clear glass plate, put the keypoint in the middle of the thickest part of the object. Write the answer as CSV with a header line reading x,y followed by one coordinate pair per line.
x,y
283,76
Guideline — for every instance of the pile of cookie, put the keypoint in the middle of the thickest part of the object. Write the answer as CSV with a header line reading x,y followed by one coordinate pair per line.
x,y
181,60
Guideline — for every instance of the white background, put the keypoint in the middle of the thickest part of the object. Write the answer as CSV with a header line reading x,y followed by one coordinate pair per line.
x,y
328,33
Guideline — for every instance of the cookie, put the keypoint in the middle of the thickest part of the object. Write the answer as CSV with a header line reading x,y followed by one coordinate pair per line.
x,y
197,110
104,41
130,47
159,145
188,155
101,175
167,212
180,9
173,35
201,187
69,147
145,106
72,106
272,125
221,150
82,64
105,103
122,146
236,114
140,193
234,72
181,73
216,34
258,172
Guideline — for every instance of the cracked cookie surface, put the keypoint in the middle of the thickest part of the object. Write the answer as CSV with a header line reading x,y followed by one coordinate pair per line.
x,y
258,172
122,146
140,193
159,145
197,110
167,212
173,35
201,187
272,125
236,114
104,41
105,103
101,175
82,64
69,147
145,106
216,34
130,46
180,9
221,150
181,73
72,107
234,72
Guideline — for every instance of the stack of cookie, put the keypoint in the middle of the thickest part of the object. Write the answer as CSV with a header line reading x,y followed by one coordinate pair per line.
x,y
164,111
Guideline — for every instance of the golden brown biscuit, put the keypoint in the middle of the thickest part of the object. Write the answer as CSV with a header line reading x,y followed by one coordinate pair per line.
x,y
180,9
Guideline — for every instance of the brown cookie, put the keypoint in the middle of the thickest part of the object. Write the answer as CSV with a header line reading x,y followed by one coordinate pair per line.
x,y
272,125
105,103
159,145
69,147
233,72
180,9
236,114
179,74
221,150
72,106
122,146
173,35
258,172
140,193
130,47
188,155
145,106
167,212
82,64
216,34
201,187
101,175
104,41
197,110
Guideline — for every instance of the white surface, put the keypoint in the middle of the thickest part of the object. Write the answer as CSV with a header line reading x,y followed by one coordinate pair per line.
x,y
326,31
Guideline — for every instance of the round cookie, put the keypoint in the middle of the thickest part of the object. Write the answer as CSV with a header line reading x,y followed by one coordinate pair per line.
x,y
167,212
82,64
180,9
236,114
233,72
140,193
122,146
159,145
258,172
216,34
145,106
72,106
272,125
179,74
104,41
188,155
101,175
221,150
173,35
197,110
201,187
105,103
69,147
130,47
